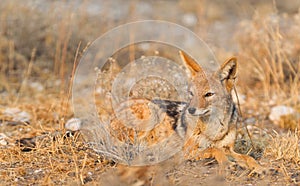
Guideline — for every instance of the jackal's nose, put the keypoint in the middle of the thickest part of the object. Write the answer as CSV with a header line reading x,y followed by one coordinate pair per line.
x,y
192,110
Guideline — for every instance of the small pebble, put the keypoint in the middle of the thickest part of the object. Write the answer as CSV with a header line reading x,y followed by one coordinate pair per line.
x,y
37,86
3,139
17,114
189,19
278,111
73,124
38,170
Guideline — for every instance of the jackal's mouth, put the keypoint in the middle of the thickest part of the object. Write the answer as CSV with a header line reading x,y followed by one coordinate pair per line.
x,y
198,111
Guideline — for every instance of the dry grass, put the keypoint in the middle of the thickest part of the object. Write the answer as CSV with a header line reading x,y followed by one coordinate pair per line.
x,y
270,63
59,159
285,147
269,53
39,46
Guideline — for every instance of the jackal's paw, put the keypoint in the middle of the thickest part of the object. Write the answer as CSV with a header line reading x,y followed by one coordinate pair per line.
x,y
247,162
215,153
258,169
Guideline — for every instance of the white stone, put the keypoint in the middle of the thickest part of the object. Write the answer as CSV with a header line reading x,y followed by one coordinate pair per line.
x,y
3,139
37,86
73,124
17,114
22,116
38,171
189,19
278,111
11,111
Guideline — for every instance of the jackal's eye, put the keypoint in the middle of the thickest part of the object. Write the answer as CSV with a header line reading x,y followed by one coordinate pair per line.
x,y
209,94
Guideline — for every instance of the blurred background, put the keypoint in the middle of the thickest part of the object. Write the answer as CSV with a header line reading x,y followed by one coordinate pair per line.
x,y
47,33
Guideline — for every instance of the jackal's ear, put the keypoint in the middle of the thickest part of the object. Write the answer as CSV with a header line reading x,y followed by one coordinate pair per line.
x,y
228,72
190,63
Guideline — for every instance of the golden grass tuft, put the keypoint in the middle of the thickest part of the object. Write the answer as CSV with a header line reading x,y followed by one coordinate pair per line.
x,y
269,55
285,147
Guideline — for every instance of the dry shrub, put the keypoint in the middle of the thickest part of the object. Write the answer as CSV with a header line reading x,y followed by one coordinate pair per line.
x,y
50,159
285,147
269,53
290,121
46,35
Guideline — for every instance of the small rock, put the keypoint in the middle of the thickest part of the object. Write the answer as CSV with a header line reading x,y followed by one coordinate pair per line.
x,y
73,124
11,111
249,127
100,90
26,144
189,19
3,142
3,139
37,86
278,111
17,115
251,120
38,171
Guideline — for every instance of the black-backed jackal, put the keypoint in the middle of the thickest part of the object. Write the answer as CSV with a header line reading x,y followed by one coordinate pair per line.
x,y
215,132
211,104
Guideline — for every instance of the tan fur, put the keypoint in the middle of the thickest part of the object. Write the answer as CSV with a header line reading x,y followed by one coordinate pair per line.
x,y
215,133
144,112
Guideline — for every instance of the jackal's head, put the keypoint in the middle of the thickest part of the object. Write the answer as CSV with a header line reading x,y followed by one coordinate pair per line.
x,y
211,96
